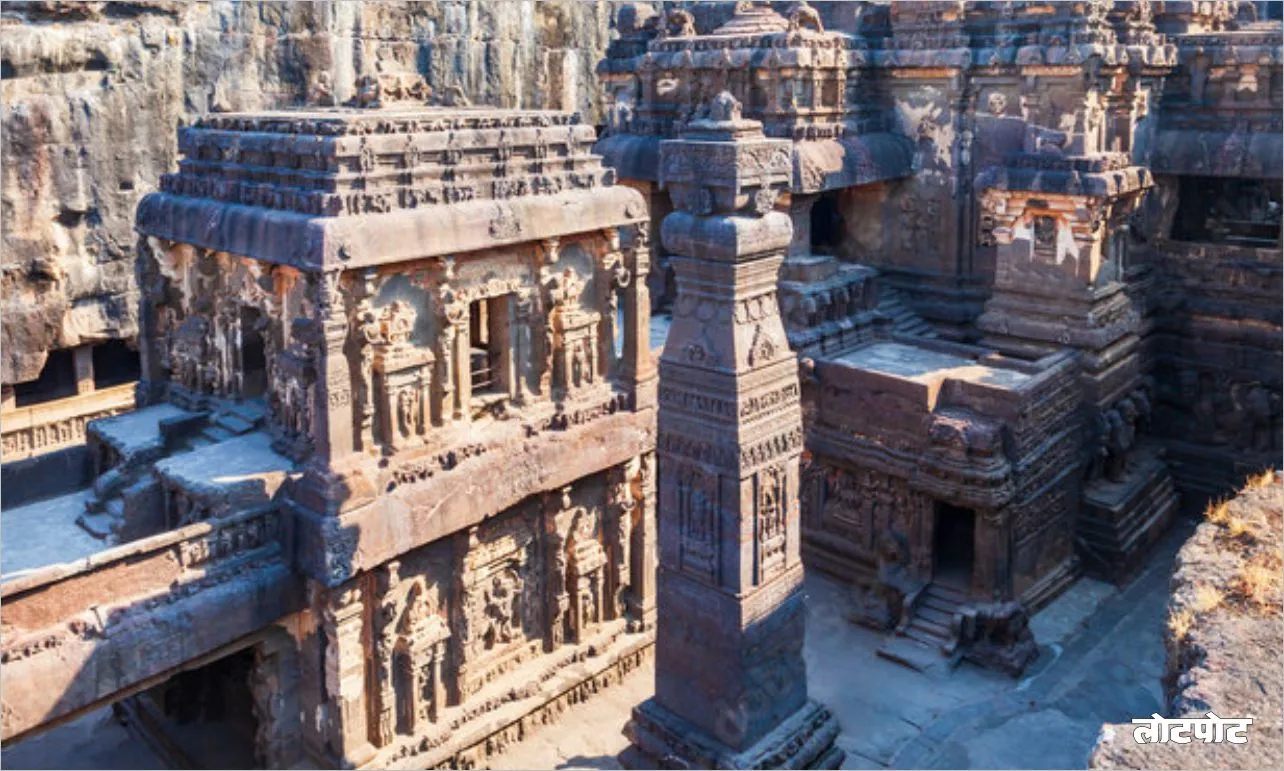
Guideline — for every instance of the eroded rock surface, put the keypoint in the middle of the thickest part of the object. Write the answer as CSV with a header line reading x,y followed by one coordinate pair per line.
x,y
1223,639
92,94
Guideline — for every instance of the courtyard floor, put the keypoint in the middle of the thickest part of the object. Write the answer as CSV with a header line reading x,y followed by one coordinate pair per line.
x,y
1101,659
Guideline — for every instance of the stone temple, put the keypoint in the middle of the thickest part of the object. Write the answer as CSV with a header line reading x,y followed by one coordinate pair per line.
x,y
448,417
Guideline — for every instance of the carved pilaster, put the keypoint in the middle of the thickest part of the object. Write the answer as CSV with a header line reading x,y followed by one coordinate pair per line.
x,y
343,621
333,417
637,365
368,335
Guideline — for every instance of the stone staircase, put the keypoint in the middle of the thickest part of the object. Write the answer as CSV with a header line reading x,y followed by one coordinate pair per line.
x,y
904,320
127,501
927,641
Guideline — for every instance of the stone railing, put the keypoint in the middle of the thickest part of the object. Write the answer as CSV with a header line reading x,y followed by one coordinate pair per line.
x,y
42,428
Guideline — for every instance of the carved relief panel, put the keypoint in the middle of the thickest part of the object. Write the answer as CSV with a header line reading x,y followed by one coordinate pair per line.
x,y
572,334
500,611
403,378
408,668
771,526
697,502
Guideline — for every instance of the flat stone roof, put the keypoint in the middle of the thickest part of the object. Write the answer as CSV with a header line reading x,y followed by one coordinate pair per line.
x,y
921,365
45,533
246,464
350,188
136,431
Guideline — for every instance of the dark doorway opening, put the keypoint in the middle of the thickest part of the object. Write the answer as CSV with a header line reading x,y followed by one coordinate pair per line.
x,y
955,532
57,381
115,364
253,355
827,226
202,718
488,350
1216,210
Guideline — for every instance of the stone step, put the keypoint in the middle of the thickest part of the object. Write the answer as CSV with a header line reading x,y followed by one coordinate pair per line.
x,y
936,615
910,653
946,593
930,639
234,423
216,434
115,508
97,525
931,627
937,605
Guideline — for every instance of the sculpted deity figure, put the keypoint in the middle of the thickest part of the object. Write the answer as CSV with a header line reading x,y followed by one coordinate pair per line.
x,y
1118,444
407,407
500,604
998,103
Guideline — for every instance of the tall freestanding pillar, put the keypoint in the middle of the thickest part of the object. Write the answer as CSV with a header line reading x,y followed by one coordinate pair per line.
x,y
731,687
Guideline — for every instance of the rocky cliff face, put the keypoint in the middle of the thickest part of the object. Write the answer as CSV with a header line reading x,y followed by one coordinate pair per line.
x,y
1223,638
93,92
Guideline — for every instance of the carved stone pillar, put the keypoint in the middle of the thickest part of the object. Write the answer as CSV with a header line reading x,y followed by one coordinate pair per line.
x,y
731,686
642,554
454,383
345,673
332,419
555,539
369,335
82,357
637,365
549,251
800,207
619,522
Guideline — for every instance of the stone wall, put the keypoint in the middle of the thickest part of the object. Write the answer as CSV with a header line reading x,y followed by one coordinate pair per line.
x,y
92,93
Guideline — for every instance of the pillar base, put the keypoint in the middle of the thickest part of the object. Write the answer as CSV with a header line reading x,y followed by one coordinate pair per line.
x,y
661,739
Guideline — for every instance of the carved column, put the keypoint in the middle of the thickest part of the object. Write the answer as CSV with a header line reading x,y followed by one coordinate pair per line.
x,y
543,362
555,537
642,553
332,420
455,389
637,365
800,207
368,327
345,673
731,686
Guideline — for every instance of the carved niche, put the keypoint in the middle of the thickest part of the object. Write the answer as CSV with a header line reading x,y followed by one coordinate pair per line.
x,y
292,392
410,646
585,574
697,503
772,525
498,619
572,334
402,379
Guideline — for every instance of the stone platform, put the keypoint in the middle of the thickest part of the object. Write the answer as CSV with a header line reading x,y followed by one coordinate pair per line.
x,y
1121,520
803,740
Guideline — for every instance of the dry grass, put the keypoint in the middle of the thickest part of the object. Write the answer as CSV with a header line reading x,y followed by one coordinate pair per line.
x,y
1179,623
1260,584
1259,480
1218,512
1207,597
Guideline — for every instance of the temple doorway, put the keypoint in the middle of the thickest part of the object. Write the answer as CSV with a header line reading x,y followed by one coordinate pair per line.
x,y
202,717
954,537
827,226
253,355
